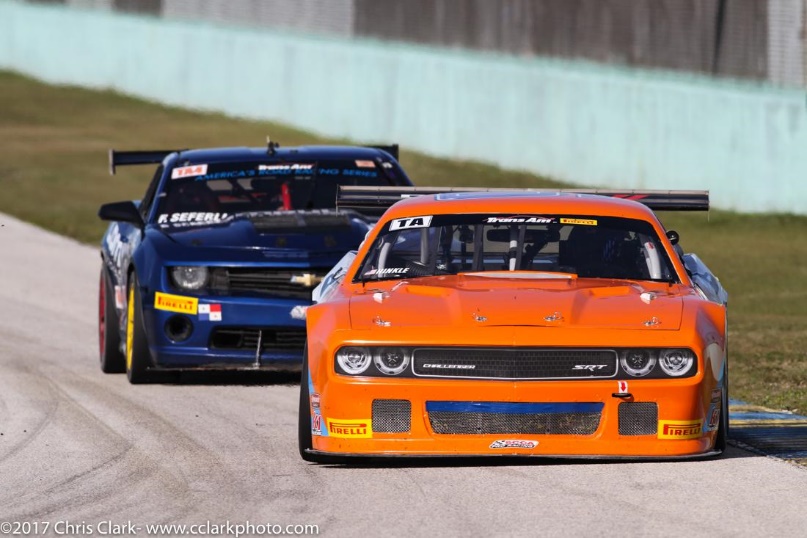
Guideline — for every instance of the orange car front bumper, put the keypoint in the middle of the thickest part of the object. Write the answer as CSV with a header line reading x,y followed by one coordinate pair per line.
x,y
572,419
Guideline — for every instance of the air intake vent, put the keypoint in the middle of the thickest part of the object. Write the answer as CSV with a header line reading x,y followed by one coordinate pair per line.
x,y
478,418
392,416
638,418
299,221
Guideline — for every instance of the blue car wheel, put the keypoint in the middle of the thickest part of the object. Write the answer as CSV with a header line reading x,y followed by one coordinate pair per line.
x,y
137,350
112,360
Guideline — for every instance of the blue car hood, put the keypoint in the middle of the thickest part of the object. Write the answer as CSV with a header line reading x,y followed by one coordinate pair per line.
x,y
275,235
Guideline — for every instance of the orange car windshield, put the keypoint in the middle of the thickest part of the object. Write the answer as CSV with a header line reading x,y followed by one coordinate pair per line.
x,y
587,246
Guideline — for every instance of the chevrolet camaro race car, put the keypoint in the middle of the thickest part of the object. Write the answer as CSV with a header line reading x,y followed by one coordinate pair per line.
x,y
214,268
556,324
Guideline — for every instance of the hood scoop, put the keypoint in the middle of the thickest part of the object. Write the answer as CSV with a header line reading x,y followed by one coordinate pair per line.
x,y
317,220
577,304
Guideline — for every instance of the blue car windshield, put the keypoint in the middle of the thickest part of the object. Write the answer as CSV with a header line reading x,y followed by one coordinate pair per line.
x,y
232,188
500,244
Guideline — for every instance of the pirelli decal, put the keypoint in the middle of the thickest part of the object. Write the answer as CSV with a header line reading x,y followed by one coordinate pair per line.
x,y
584,222
680,429
350,429
176,303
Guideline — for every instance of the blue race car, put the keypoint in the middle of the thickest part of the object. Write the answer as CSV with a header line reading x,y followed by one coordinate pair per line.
x,y
214,267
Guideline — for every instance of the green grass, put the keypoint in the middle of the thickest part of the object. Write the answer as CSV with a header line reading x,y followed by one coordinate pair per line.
x,y
53,172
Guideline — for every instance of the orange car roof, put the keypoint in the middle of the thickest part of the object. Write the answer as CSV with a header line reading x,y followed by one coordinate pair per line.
x,y
519,202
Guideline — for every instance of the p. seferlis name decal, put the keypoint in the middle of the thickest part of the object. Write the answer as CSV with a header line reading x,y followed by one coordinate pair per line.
x,y
191,218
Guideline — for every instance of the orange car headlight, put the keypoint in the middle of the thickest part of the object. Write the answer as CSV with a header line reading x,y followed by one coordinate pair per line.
x,y
676,362
392,360
637,362
354,360
373,361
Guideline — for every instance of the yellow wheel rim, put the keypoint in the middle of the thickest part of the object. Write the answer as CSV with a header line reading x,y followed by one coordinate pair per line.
x,y
129,328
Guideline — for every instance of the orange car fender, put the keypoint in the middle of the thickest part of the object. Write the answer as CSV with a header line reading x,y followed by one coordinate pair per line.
x,y
709,320
320,322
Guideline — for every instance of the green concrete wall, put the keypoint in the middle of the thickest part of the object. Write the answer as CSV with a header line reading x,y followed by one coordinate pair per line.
x,y
582,123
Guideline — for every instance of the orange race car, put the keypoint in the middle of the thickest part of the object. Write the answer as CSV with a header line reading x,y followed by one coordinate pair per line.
x,y
529,323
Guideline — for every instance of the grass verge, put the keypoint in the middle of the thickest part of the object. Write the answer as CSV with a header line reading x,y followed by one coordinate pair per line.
x,y
53,172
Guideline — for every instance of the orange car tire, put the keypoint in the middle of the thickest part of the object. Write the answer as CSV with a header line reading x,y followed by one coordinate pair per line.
x,y
304,437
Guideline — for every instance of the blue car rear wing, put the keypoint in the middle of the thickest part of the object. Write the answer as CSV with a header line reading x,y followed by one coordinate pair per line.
x,y
392,150
377,199
127,158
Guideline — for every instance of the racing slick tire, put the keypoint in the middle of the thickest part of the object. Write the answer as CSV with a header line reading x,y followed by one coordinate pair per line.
x,y
112,359
137,348
721,441
304,421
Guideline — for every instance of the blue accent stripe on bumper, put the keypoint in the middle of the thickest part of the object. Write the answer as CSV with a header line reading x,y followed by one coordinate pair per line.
x,y
514,408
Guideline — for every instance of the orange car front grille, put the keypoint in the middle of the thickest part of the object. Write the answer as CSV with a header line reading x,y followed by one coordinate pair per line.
x,y
515,363
392,416
514,418
638,418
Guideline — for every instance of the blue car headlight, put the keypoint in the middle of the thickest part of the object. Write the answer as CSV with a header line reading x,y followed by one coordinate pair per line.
x,y
190,278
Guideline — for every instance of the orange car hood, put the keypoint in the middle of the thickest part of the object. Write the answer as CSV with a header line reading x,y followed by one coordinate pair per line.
x,y
474,301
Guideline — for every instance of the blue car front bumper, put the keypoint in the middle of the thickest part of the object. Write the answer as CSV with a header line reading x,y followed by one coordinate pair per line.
x,y
225,332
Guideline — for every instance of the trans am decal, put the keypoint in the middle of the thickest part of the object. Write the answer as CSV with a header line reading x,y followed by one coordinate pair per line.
x,y
287,168
410,222
189,171
519,219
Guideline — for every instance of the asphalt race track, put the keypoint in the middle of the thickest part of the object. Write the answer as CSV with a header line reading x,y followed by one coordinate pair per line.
x,y
80,446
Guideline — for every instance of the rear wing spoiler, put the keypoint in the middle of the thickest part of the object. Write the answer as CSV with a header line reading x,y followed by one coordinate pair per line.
x,y
375,200
392,150
127,158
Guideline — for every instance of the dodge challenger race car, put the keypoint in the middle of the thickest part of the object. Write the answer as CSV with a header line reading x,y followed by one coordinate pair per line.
x,y
560,324
214,267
